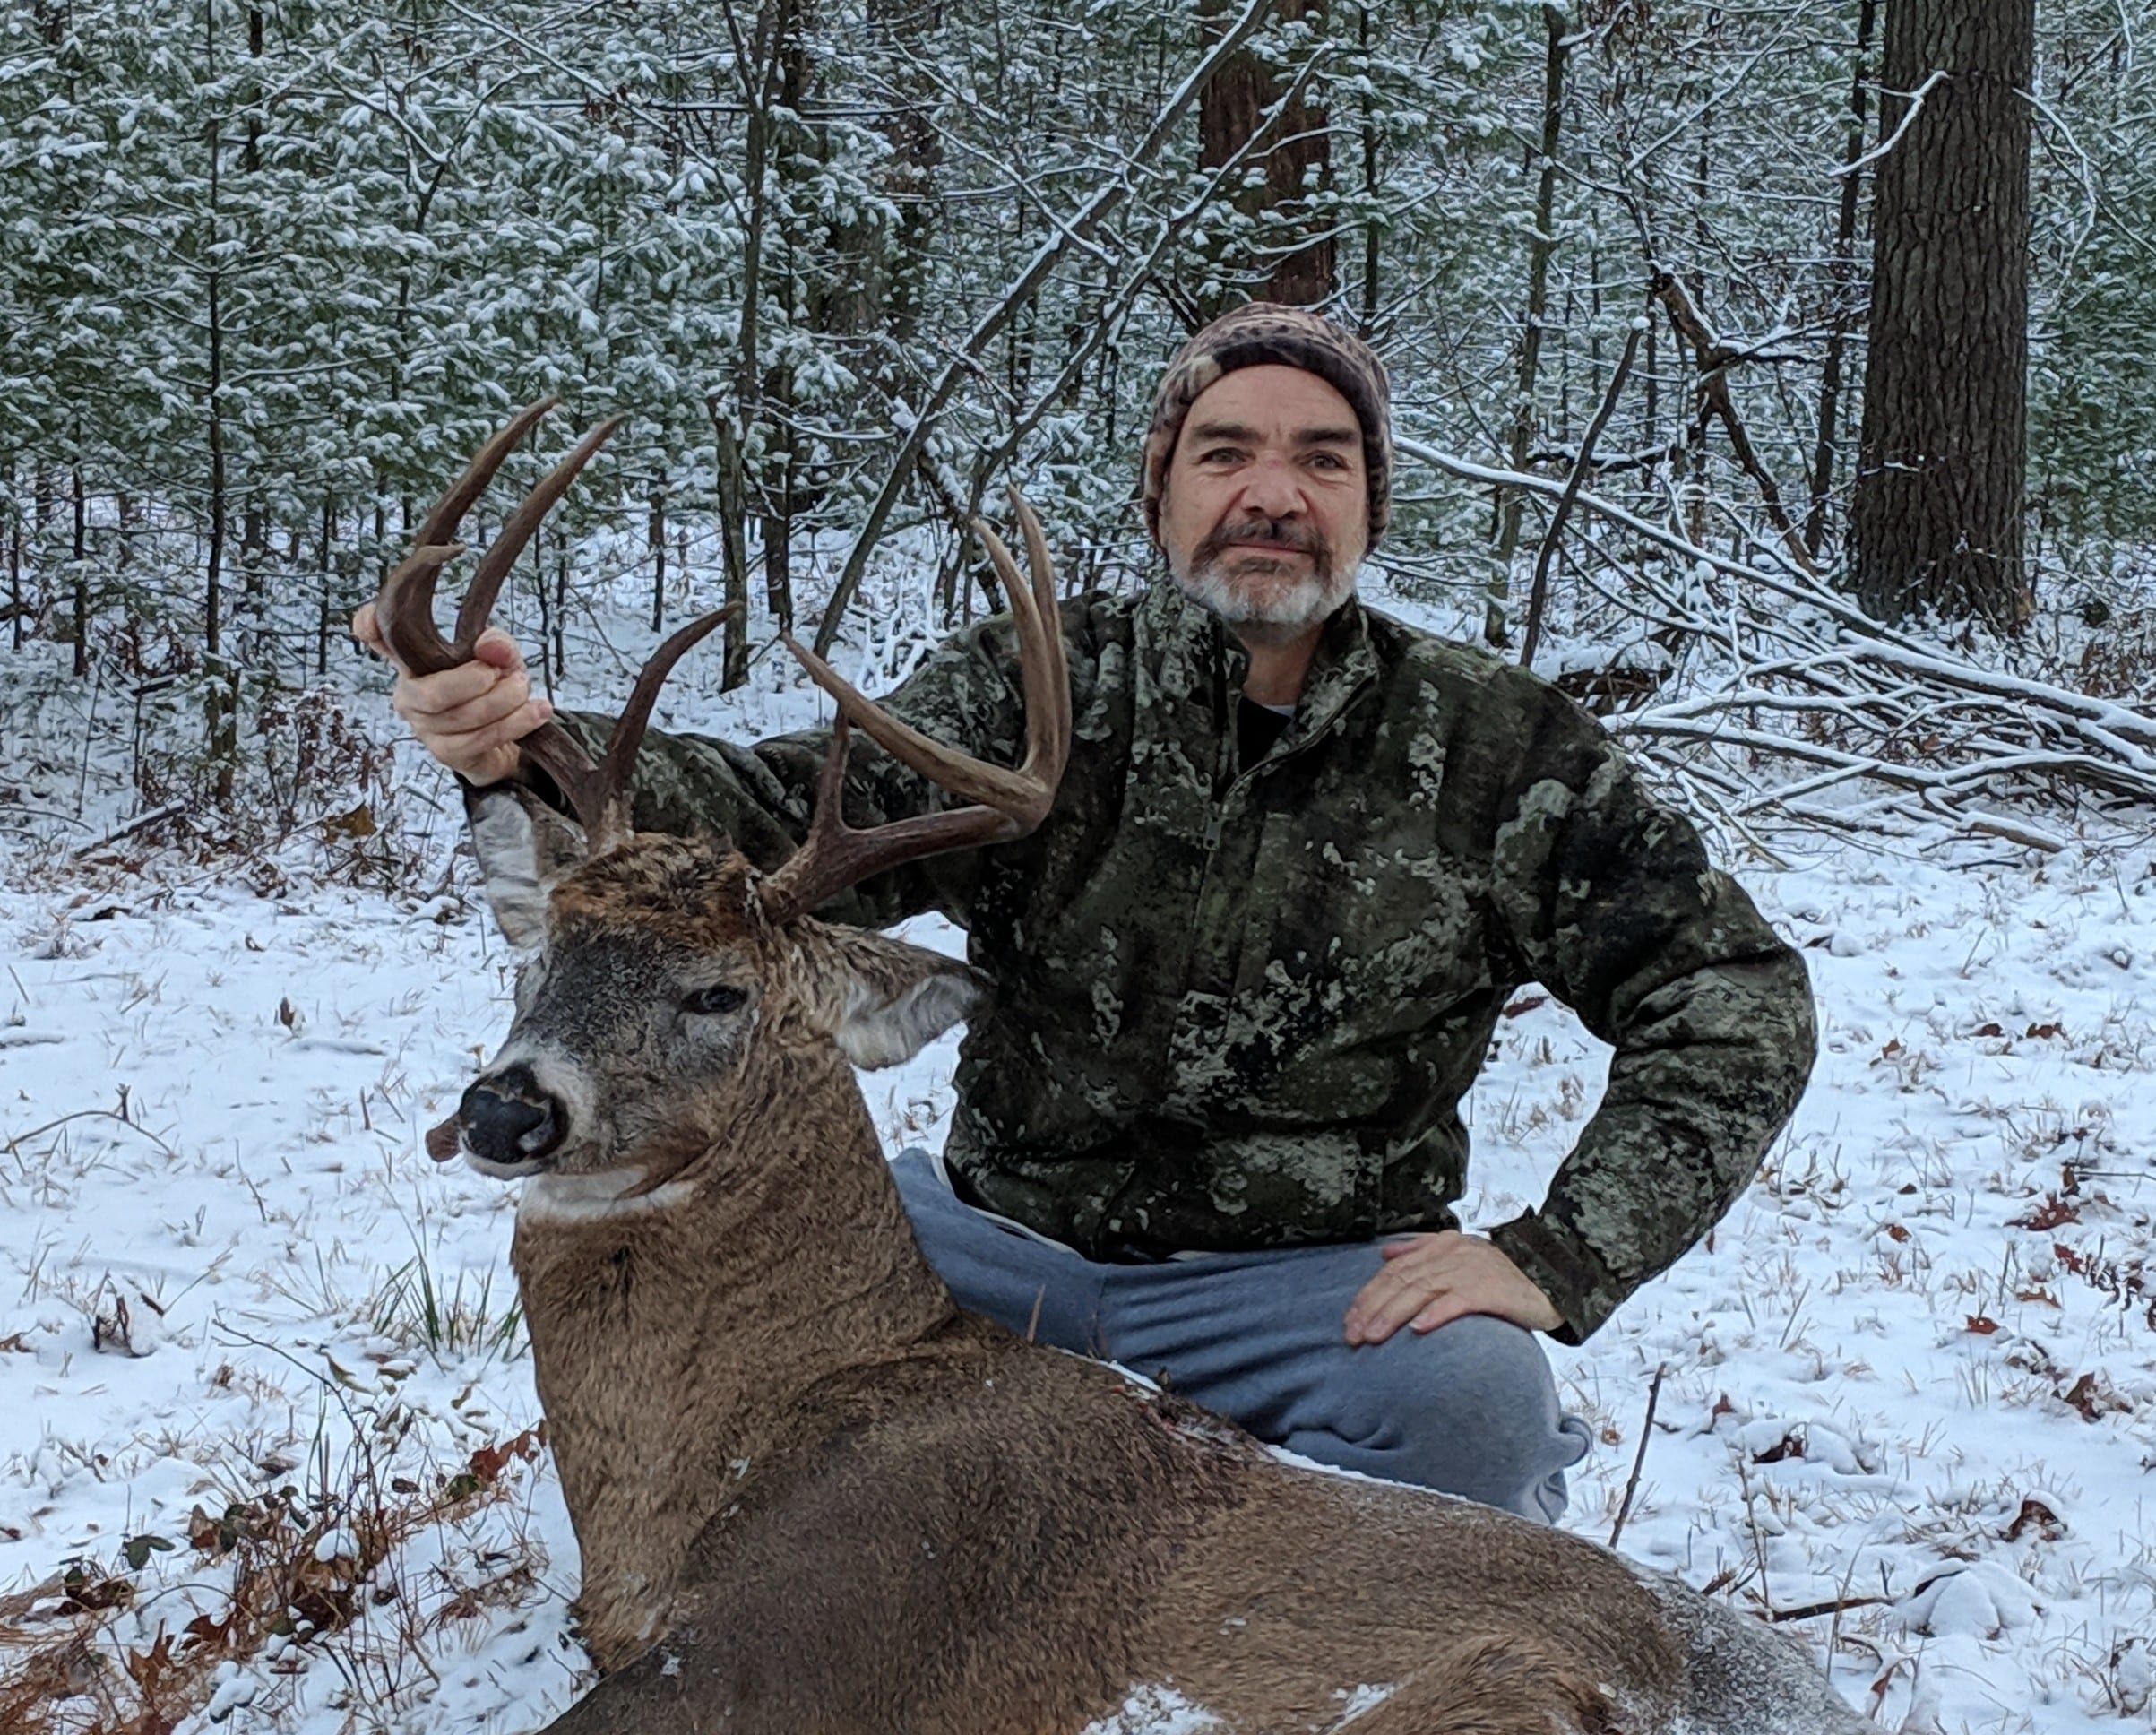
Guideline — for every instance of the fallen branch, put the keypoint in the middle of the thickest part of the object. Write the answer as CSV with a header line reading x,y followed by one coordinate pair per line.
x,y
1901,733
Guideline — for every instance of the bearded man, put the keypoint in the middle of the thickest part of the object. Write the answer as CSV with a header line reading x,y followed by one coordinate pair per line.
x,y
1303,856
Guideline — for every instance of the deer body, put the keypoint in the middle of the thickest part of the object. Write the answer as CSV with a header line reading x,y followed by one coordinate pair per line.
x,y
813,1497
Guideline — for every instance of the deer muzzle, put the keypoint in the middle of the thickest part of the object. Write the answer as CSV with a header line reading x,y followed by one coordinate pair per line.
x,y
510,1126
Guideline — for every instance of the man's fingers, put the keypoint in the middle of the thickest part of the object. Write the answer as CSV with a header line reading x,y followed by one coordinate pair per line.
x,y
420,699
1389,1300
503,699
461,752
1447,1308
1380,1322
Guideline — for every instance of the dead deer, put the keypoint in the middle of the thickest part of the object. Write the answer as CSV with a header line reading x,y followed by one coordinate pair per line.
x,y
812,1496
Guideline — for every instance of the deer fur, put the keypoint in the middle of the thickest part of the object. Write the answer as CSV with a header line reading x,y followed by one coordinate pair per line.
x,y
815,1498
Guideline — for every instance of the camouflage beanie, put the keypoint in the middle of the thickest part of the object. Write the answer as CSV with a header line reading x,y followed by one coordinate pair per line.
x,y
1268,332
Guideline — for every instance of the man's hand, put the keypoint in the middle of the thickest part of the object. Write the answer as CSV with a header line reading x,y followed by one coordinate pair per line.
x,y
1429,1280
471,717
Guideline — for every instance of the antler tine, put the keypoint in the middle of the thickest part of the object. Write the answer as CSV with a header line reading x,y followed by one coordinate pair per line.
x,y
405,608
516,531
1043,666
1004,805
1043,571
601,796
975,779
449,511
598,792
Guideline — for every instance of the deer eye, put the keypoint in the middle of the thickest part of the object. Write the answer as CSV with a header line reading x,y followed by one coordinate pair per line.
x,y
716,999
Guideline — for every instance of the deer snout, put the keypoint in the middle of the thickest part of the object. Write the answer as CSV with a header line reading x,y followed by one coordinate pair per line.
x,y
509,1123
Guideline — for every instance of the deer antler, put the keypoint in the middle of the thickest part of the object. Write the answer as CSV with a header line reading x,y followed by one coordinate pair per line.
x,y
598,793
1003,804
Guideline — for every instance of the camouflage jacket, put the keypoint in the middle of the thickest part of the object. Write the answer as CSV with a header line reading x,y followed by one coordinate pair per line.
x,y
1237,1005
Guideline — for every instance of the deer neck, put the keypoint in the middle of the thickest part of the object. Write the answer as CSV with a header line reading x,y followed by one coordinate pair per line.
x,y
675,1336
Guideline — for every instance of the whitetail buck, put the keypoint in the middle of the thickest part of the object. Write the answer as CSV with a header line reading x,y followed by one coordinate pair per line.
x,y
812,1496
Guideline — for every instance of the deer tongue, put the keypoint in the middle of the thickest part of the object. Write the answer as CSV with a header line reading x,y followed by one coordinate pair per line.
x,y
442,1141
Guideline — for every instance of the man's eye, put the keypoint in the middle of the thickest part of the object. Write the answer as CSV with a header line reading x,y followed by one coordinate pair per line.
x,y
716,1000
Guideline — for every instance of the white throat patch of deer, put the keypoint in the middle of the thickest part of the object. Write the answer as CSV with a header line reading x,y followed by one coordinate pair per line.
x,y
811,1495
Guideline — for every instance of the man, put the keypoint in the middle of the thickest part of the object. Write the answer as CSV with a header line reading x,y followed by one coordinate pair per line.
x,y
1301,859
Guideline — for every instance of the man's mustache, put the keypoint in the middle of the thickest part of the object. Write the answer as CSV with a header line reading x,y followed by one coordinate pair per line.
x,y
1290,533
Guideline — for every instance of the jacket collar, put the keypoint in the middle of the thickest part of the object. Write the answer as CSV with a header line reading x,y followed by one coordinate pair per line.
x,y
1198,658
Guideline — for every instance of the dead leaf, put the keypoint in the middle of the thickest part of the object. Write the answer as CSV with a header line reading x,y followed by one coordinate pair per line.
x,y
2036,1516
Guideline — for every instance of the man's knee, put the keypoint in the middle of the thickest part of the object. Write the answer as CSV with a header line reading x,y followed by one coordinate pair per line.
x,y
1471,1408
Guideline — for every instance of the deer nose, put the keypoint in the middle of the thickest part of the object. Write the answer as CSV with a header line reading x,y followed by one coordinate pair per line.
x,y
509,1120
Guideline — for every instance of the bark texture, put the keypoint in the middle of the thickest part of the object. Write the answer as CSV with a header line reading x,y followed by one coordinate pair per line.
x,y
1936,520
1230,114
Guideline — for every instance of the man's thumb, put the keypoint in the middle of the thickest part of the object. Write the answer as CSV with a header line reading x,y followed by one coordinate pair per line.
x,y
496,648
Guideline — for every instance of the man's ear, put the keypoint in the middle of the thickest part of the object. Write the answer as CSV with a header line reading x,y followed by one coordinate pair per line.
x,y
882,1000
524,847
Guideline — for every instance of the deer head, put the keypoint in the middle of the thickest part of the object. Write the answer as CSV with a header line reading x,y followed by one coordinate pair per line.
x,y
664,978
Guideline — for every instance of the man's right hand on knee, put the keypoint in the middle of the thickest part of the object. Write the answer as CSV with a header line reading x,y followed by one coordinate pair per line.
x,y
471,717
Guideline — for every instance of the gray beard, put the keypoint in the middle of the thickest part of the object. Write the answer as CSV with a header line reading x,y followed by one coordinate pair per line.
x,y
1303,603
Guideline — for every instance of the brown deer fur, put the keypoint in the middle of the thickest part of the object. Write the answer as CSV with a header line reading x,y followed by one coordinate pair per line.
x,y
814,1498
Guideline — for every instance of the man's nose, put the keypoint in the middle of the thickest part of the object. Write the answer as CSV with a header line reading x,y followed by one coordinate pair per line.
x,y
1273,488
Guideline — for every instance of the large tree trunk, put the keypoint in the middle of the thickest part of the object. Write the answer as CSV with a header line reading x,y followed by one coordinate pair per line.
x,y
1936,521
1229,113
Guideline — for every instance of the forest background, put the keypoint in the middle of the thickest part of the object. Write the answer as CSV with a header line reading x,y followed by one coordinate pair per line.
x,y
270,272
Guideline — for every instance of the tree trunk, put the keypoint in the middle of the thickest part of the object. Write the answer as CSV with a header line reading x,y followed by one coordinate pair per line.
x,y
1540,245
326,608
1936,521
1845,247
733,549
1370,236
82,576
16,608
659,555
1299,163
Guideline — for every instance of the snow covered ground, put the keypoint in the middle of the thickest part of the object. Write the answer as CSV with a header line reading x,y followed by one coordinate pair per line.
x,y
251,1339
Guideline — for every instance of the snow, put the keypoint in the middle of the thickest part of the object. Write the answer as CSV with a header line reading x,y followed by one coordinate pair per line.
x,y
1914,1370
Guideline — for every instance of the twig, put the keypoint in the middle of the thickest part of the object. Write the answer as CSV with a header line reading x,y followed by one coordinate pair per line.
x,y
1833,1605
1539,591
15,1142
1916,104
142,823
1654,1391
1759,1542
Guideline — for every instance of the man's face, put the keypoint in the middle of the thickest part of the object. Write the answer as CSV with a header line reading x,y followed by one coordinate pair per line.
x,y
1266,513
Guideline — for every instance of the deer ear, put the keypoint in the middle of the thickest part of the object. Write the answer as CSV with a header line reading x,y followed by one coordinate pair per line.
x,y
882,1000
524,847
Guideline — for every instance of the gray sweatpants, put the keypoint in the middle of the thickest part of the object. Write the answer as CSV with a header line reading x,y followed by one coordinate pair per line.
x,y
1469,1408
